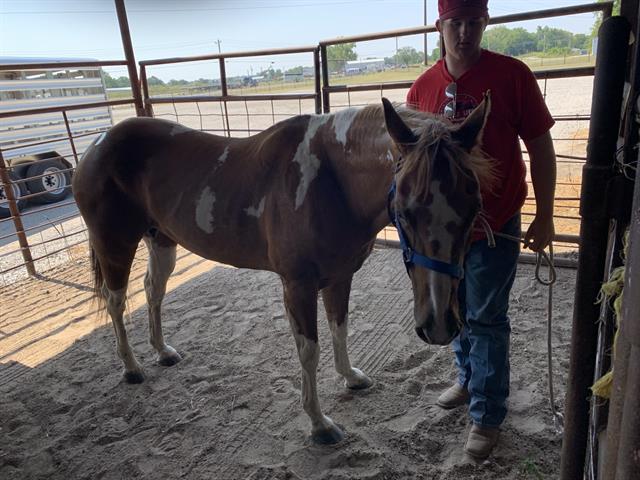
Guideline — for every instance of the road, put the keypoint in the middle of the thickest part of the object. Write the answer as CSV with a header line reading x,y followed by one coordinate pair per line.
x,y
39,218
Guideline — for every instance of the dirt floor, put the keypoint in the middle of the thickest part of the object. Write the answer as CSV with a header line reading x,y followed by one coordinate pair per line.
x,y
231,409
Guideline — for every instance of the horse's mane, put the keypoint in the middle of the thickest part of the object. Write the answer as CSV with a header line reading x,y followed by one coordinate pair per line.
x,y
434,137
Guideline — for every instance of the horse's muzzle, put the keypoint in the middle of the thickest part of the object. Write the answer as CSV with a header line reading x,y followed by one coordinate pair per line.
x,y
442,334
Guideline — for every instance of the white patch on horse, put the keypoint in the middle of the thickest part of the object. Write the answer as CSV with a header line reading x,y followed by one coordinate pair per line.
x,y
442,213
177,129
223,158
342,122
309,163
389,156
256,211
100,138
204,210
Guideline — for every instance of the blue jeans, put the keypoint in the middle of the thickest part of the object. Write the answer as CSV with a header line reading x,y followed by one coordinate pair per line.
x,y
482,348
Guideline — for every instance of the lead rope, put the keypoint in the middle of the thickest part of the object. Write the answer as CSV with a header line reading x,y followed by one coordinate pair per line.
x,y
558,419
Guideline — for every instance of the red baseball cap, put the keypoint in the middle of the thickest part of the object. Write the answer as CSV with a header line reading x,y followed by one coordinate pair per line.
x,y
462,8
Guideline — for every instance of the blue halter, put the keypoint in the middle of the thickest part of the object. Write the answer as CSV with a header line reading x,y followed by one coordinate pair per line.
x,y
410,256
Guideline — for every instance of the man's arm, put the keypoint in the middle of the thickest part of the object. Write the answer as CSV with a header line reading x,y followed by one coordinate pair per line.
x,y
543,175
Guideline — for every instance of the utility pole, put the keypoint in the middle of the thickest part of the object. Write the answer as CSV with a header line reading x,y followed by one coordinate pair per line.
x,y
218,42
426,55
396,55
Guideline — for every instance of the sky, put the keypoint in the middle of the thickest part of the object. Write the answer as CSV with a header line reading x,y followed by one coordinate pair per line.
x,y
181,28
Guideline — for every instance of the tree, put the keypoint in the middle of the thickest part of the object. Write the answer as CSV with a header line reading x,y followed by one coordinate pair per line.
x,y
407,56
514,42
553,39
338,55
582,41
154,81
110,82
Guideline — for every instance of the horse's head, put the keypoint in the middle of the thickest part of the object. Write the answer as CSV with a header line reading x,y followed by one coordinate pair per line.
x,y
434,202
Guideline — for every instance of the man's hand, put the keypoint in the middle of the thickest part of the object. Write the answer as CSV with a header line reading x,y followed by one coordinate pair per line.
x,y
543,175
540,233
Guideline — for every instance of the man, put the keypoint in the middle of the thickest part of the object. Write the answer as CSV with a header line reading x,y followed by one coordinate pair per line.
x,y
453,87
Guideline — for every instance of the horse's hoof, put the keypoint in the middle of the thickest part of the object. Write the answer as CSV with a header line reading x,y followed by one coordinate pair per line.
x,y
133,377
327,437
358,381
327,433
169,357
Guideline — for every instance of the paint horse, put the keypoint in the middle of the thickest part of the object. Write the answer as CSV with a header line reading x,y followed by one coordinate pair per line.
x,y
304,199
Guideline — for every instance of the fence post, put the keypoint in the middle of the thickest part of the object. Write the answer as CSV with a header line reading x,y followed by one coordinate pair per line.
x,y
148,106
17,219
318,84
326,104
605,118
131,61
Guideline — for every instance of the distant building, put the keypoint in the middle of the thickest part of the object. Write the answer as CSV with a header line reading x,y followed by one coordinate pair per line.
x,y
364,66
293,77
308,72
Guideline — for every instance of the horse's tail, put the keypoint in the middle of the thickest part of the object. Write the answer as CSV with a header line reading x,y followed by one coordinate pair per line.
x,y
98,279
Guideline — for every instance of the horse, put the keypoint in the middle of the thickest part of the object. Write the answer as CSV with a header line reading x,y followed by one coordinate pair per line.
x,y
305,199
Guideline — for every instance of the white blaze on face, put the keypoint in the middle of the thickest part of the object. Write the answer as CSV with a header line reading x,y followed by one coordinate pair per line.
x,y
178,129
101,138
442,214
342,122
223,157
256,211
309,163
204,210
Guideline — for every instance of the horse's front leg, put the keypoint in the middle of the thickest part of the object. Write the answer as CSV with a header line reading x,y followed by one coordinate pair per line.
x,y
336,304
301,303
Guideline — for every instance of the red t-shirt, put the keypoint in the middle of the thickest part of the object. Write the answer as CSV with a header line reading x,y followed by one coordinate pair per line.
x,y
517,110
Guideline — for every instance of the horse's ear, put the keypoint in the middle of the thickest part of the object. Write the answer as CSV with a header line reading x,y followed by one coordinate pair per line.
x,y
469,133
400,133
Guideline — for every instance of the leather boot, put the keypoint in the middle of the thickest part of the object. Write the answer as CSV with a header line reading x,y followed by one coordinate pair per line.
x,y
481,441
453,397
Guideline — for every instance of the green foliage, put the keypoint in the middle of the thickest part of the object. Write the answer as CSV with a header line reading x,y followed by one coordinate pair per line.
x,y
110,82
154,81
408,56
545,41
509,41
435,54
294,70
338,55
530,469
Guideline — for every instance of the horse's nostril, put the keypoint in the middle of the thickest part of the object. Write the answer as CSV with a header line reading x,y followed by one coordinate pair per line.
x,y
422,334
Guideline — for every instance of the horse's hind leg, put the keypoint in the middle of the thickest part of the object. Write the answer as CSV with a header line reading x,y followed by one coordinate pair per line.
x,y
162,261
336,304
115,266
301,303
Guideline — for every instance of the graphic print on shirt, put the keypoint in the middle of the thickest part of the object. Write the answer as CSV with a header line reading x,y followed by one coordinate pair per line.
x,y
464,106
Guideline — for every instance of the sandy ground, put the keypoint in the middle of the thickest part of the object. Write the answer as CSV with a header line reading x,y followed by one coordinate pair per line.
x,y
231,409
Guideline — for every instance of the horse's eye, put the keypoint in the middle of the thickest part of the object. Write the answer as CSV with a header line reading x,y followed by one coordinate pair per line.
x,y
407,218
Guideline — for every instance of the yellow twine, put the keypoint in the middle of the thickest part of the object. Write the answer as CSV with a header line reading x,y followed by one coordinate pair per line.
x,y
612,289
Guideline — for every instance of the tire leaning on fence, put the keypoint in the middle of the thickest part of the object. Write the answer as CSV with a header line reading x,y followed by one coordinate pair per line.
x,y
19,190
49,179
